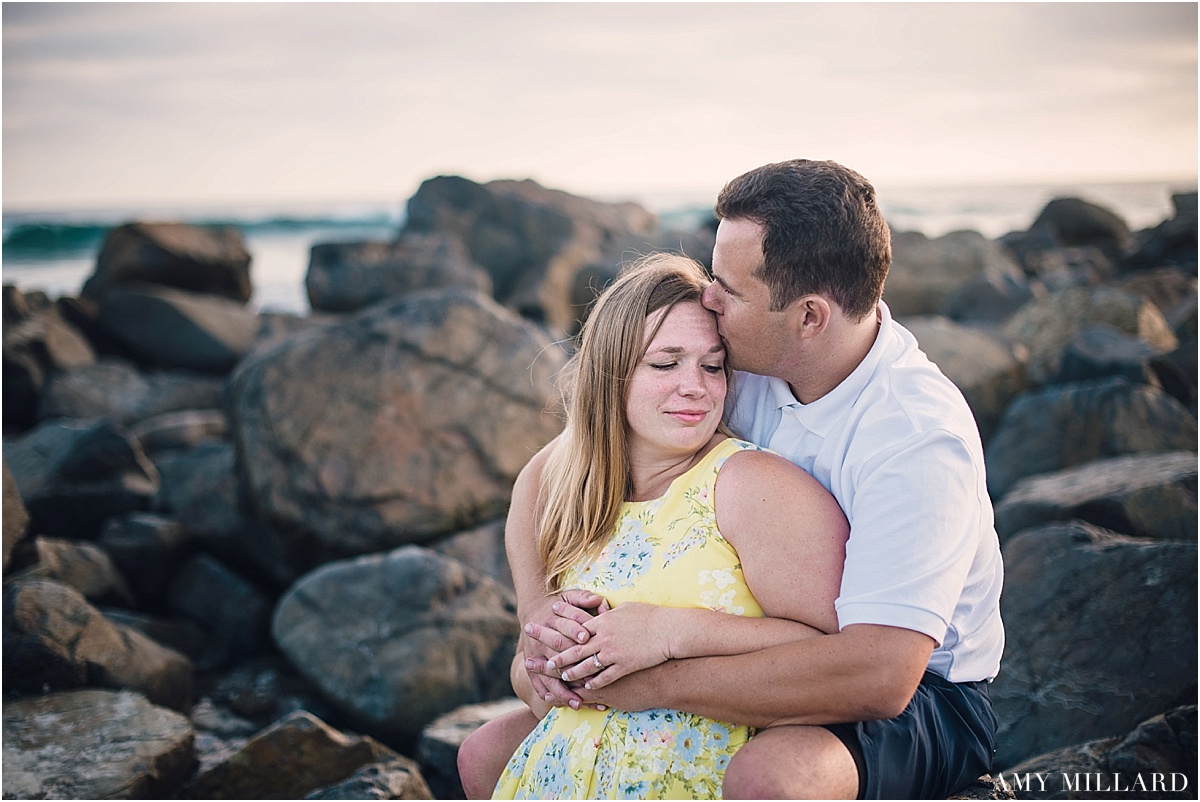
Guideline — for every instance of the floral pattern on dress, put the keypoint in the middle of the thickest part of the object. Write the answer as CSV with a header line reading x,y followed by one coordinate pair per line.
x,y
668,552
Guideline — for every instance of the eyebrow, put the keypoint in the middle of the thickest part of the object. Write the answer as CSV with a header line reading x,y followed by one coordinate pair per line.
x,y
725,286
675,349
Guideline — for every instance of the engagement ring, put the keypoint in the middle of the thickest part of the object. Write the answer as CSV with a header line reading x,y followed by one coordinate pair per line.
x,y
596,662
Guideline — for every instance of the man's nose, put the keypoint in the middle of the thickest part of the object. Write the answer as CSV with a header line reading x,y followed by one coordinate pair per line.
x,y
708,298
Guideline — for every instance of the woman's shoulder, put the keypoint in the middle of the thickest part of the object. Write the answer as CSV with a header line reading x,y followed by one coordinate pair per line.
x,y
744,465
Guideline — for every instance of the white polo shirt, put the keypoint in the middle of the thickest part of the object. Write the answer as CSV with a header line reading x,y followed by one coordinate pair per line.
x,y
897,446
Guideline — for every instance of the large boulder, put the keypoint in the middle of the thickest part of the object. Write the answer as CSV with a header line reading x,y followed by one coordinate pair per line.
x,y
986,368
347,276
1101,634
296,755
171,328
1069,424
55,640
147,549
74,475
181,429
397,639
1099,350
395,777
405,422
94,744
1147,495
926,272
530,239
481,548
440,742
15,518
1173,242
114,388
223,603
1045,326
208,260
77,564
1076,222
1155,761
199,488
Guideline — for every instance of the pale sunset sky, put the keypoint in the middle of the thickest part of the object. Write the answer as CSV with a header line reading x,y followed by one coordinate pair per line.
x,y
117,104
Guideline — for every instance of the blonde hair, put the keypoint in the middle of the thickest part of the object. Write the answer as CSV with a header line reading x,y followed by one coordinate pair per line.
x,y
587,476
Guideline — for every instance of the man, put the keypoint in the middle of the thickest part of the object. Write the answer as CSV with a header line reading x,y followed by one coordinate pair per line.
x,y
894,704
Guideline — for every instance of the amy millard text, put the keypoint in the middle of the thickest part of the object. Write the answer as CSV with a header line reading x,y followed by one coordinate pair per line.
x,y
1098,782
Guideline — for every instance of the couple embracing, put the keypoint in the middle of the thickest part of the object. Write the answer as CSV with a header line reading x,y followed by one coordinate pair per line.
x,y
760,561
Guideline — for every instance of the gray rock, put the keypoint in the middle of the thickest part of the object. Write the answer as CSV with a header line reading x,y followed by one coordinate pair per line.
x,y
201,259
114,388
199,489
296,755
171,328
530,239
438,747
1101,635
222,602
1147,495
54,639
1155,761
926,272
1171,289
1173,242
83,566
1099,350
94,744
1069,424
1046,325
275,327
181,429
986,787
186,637
405,422
346,277
34,350
16,517
1073,221
73,476
991,298
397,639
986,368
481,548
148,549
391,778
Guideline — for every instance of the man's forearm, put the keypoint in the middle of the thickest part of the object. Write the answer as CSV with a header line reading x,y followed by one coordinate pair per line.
x,y
858,675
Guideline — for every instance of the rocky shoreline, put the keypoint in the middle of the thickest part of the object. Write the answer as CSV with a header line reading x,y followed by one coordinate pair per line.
x,y
261,556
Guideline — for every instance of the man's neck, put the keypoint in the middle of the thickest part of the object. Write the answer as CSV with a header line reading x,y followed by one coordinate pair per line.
x,y
841,348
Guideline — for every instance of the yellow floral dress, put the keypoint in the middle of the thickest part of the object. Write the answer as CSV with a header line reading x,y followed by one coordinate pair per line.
x,y
666,552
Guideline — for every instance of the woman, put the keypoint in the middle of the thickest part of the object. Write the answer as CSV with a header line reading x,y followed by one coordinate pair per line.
x,y
701,544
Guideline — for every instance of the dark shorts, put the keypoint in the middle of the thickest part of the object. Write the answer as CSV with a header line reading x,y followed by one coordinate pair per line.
x,y
943,740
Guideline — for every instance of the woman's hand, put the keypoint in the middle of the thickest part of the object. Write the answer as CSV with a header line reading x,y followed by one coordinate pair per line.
x,y
628,638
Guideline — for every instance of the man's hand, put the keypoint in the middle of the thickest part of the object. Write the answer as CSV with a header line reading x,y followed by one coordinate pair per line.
x,y
557,624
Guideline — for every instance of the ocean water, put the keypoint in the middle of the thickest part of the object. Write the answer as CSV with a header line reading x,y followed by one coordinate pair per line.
x,y
56,251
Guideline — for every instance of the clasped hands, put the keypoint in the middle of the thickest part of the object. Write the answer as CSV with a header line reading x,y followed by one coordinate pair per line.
x,y
575,641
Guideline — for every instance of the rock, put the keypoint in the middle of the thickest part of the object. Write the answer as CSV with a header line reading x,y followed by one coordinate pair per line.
x,y
348,276
1069,424
114,388
82,566
391,778
200,259
1101,634
397,639
438,747
986,368
274,327
925,272
15,518
34,350
266,688
530,239
170,328
295,755
54,639
180,430
1173,242
986,787
1076,222
1046,325
1171,289
185,637
991,298
148,549
1155,761
74,476
199,488
1146,495
407,421
94,744
223,603
1098,351
481,548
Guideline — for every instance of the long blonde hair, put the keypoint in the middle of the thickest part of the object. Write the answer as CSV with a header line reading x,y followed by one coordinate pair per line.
x,y
587,476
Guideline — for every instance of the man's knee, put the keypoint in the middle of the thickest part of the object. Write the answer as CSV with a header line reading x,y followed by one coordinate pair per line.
x,y
792,763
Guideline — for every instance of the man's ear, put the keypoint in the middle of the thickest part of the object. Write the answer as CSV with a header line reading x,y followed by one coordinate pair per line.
x,y
811,315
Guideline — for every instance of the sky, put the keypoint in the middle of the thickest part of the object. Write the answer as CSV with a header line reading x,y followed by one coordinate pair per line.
x,y
120,104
